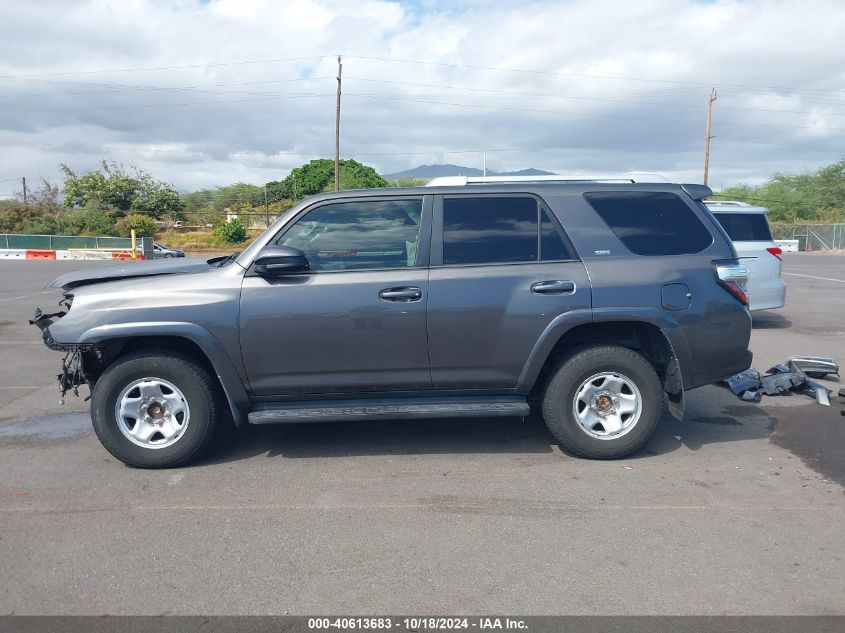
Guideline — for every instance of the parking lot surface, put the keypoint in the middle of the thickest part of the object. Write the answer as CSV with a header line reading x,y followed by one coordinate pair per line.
x,y
737,510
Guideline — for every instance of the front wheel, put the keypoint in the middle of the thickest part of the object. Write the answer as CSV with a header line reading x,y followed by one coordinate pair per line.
x,y
153,409
604,402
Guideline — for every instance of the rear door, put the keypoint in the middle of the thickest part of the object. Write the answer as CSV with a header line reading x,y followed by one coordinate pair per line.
x,y
502,270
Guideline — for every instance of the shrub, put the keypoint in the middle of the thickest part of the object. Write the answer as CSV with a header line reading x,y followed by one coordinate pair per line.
x,y
141,222
231,232
85,222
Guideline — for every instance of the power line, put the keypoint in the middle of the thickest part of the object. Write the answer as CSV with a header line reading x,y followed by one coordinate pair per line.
x,y
578,97
149,68
131,88
589,114
590,76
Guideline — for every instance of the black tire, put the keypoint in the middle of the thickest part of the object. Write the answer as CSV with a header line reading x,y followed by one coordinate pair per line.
x,y
560,395
196,384
168,255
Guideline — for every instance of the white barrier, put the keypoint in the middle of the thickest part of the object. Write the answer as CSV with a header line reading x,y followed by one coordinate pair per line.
x,y
73,253
788,246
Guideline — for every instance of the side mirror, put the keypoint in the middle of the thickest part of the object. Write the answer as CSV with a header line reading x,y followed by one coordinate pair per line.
x,y
274,261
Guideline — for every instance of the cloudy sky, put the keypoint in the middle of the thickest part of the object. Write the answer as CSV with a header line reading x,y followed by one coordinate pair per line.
x,y
206,93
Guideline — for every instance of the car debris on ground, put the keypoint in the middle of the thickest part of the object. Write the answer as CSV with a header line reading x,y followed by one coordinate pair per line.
x,y
795,375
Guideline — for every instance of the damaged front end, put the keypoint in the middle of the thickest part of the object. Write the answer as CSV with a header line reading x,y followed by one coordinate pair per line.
x,y
73,374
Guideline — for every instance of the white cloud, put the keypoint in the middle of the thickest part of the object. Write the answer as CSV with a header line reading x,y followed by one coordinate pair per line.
x,y
629,94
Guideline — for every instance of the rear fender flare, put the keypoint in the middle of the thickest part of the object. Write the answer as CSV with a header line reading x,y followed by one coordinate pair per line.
x,y
565,322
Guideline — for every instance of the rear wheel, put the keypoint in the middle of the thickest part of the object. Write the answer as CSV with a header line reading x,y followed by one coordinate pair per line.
x,y
153,409
603,402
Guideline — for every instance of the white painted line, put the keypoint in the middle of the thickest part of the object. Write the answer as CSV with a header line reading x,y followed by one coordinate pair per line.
x,y
842,281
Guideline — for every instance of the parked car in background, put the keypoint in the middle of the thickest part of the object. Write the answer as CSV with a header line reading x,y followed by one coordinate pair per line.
x,y
749,230
160,251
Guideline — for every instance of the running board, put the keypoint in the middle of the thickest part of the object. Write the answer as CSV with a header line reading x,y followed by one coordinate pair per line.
x,y
389,409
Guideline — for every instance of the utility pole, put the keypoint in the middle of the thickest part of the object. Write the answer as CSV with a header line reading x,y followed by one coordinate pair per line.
x,y
485,163
266,210
708,135
337,130
25,198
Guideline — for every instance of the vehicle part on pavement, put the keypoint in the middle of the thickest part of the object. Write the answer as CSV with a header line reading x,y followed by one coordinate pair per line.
x,y
747,380
815,366
481,299
750,385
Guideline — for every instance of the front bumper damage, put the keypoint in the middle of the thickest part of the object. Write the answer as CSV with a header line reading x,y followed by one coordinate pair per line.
x,y
72,375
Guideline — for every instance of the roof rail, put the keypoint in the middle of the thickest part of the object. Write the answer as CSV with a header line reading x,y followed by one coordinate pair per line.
x,y
461,181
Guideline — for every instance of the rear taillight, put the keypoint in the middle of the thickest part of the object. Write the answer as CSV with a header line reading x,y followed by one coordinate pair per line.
x,y
776,251
733,277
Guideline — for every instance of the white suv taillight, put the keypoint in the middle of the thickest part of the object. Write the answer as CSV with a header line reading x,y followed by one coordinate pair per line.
x,y
734,278
776,251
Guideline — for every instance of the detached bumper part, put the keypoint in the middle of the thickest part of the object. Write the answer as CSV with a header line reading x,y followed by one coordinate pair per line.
x,y
750,386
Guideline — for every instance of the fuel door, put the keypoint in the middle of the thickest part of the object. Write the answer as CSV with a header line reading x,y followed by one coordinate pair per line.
x,y
675,297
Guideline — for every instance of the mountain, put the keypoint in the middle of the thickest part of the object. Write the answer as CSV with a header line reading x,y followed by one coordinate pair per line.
x,y
435,171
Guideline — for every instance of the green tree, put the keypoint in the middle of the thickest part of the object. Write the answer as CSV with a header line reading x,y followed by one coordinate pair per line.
x,y
112,187
318,176
88,221
143,224
817,196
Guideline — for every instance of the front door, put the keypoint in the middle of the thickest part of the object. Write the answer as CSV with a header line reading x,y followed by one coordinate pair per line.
x,y
355,322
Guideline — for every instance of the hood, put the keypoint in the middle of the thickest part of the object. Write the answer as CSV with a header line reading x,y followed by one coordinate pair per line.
x,y
130,270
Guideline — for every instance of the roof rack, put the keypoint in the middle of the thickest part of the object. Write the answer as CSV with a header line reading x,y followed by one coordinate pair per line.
x,y
461,181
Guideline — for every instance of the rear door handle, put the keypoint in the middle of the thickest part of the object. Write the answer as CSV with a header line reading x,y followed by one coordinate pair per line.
x,y
406,294
555,287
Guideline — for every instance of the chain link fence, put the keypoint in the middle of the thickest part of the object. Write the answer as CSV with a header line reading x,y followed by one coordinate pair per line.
x,y
812,237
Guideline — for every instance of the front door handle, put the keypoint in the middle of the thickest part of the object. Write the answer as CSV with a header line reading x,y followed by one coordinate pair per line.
x,y
555,287
406,294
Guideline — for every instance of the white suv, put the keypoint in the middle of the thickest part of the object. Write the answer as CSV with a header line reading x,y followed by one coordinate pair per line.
x,y
749,231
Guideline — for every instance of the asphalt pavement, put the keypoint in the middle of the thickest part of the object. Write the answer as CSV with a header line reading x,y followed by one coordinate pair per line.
x,y
737,510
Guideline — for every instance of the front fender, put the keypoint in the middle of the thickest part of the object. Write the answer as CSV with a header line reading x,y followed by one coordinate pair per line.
x,y
224,367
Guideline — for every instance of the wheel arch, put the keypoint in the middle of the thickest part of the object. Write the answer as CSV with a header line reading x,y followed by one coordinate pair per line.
x,y
187,338
640,335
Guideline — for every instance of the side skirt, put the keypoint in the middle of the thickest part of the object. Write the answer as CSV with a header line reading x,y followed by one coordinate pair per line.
x,y
389,409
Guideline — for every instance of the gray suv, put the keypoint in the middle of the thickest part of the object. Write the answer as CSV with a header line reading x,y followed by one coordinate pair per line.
x,y
597,303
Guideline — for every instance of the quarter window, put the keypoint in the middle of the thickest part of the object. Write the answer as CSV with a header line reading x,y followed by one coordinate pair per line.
x,y
358,235
651,222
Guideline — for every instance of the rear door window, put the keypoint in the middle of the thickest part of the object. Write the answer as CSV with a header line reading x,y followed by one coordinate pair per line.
x,y
499,229
651,222
745,227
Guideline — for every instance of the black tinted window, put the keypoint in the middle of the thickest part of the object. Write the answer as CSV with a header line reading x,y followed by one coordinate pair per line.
x,y
489,229
358,235
651,223
552,246
745,227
